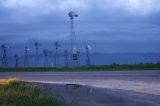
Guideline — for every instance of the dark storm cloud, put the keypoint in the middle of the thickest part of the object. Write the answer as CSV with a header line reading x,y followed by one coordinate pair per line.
x,y
107,25
128,38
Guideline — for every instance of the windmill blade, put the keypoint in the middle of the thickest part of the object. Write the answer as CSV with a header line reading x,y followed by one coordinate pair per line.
x,y
26,48
89,47
5,46
37,44
72,14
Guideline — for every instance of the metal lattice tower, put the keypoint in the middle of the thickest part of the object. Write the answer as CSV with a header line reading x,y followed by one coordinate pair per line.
x,y
45,52
16,60
88,48
56,53
4,57
26,62
66,58
72,15
78,56
37,53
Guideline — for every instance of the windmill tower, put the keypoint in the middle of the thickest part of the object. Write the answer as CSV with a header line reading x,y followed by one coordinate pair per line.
x,y
66,58
45,52
16,60
72,15
4,57
88,48
26,62
37,53
56,44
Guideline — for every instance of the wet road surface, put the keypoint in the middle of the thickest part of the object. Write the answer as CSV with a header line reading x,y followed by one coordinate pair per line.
x,y
112,88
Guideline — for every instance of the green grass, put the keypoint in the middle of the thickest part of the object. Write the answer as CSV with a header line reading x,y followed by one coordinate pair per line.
x,y
113,67
17,93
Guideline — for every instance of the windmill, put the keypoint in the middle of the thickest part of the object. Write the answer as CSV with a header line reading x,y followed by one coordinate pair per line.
x,y
72,15
16,60
56,44
37,53
4,57
88,48
66,58
45,52
26,62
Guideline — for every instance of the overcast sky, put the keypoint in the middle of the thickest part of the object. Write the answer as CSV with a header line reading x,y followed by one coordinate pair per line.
x,y
109,26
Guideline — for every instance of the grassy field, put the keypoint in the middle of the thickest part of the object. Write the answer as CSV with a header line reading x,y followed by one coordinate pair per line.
x,y
17,93
112,67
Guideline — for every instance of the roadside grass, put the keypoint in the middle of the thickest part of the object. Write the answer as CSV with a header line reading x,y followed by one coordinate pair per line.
x,y
8,81
113,67
14,92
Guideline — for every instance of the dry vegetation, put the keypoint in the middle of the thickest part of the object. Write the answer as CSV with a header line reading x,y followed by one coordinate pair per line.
x,y
14,92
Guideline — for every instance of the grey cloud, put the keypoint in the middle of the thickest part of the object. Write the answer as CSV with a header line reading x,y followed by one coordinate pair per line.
x,y
32,10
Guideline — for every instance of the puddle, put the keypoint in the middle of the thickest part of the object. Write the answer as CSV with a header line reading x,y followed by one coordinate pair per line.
x,y
74,86
83,95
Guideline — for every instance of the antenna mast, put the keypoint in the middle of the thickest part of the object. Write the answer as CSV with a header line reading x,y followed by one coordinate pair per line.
x,y
4,57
